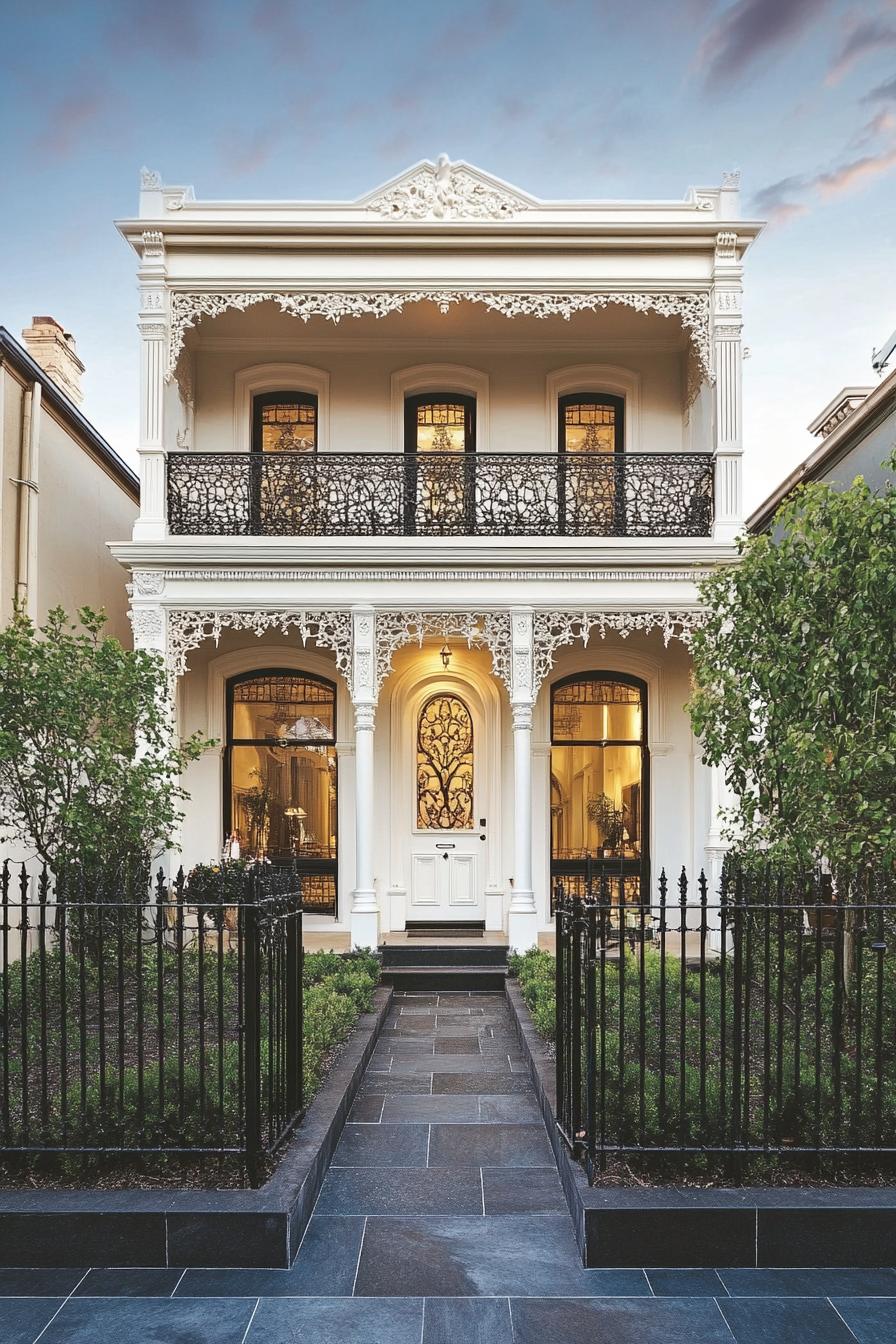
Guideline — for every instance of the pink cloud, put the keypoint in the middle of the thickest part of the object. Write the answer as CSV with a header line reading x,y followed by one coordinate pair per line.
x,y
66,120
863,38
786,200
850,176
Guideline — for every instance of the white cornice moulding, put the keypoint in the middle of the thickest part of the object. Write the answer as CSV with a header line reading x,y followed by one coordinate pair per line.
x,y
375,556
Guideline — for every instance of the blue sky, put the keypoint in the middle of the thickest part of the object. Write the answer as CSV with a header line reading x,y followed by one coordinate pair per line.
x,y
564,98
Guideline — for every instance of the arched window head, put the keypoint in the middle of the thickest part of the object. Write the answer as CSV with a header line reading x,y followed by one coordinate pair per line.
x,y
440,422
284,422
444,765
281,777
591,422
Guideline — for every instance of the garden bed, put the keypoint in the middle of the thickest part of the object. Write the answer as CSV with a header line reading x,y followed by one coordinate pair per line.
x,y
173,1081
663,1072
668,1226
218,1228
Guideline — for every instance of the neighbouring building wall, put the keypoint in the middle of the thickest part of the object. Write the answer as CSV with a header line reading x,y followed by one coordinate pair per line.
x,y
866,456
78,507
81,509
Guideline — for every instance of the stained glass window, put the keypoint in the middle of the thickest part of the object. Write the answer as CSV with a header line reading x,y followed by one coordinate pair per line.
x,y
444,765
282,773
591,424
599,780
285,422
439,423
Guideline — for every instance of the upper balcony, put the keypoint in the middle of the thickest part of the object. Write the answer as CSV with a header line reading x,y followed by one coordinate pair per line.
x,y
584,357
447,494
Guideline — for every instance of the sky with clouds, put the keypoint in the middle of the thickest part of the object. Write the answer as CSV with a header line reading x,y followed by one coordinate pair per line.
x,y
565,98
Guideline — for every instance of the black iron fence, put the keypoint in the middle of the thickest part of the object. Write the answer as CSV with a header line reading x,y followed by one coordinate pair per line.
x,y
747,1034
149,1020
440,494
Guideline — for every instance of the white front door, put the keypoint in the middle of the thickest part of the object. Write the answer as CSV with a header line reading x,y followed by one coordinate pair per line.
x,y
446,880
448,844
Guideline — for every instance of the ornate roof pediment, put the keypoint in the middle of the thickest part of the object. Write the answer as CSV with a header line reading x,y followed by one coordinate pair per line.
x,y
446,190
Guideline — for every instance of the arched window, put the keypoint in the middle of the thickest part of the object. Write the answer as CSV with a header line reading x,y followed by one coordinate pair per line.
x,y
444,765
439,422
280,785
284,422
439,443
591,443
599,779
591,422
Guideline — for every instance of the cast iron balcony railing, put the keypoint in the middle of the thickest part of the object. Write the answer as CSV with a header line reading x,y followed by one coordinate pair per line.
x,y
440,494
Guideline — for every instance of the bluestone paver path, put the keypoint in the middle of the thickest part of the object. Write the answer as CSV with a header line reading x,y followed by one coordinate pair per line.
x,y
442,1221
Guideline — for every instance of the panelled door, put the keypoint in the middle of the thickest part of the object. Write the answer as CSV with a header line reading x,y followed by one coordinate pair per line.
x,y
448,845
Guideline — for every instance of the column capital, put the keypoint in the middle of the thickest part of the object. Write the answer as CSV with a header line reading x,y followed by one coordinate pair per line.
x,y
363,678
522,715
522,659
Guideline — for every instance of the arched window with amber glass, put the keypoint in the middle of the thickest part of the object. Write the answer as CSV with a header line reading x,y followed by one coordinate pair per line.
x,y
444,765
284,422
591,496
600,779
280,776
439,444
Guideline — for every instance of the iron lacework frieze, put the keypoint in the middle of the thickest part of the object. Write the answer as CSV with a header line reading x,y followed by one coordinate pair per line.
x,y
440,495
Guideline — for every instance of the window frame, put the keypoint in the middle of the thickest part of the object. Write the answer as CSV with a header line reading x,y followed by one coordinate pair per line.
x,y
413,400
289,396
310,866
620,867
607,399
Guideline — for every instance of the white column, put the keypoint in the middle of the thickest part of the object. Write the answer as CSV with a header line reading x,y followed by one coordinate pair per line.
x,y
149,627
153,327
365,911
522,919
728,361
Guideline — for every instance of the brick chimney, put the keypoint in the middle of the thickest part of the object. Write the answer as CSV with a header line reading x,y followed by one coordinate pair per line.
x,y
54,350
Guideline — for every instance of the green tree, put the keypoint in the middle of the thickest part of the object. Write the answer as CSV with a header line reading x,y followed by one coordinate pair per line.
x,y
795,679
89,770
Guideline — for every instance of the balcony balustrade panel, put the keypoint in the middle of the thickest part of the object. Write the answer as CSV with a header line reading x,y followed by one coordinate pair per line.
x,y
440,494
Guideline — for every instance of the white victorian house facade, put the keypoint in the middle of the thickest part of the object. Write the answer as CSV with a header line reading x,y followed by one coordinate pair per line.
x,y
428,480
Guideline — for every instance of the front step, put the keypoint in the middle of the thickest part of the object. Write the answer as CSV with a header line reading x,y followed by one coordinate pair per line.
x,y
431,979
422,954
421,968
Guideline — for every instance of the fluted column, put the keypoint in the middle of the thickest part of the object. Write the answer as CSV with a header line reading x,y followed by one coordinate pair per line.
x,y
153,328
728,361
522,919
365,911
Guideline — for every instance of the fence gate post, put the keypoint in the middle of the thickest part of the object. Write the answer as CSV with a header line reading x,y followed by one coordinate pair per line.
x,y
294,1087
252,1030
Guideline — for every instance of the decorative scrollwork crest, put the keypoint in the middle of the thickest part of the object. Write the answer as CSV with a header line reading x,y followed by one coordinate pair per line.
x,y
447,190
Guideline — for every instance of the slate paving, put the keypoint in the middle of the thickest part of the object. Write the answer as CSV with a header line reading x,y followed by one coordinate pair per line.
x,y
442,1221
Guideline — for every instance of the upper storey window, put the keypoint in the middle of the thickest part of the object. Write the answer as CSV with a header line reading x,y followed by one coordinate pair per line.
x,y
440,422
284,422
591,423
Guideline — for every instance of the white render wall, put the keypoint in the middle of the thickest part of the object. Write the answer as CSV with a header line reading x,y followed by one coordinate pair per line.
x,y
520,418
679,793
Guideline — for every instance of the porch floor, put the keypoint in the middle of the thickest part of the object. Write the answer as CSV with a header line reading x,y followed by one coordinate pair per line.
x,y
442,1221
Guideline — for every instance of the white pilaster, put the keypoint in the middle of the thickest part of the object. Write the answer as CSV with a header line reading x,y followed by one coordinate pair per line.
x,y
152,324
365,911
728,361
522,919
